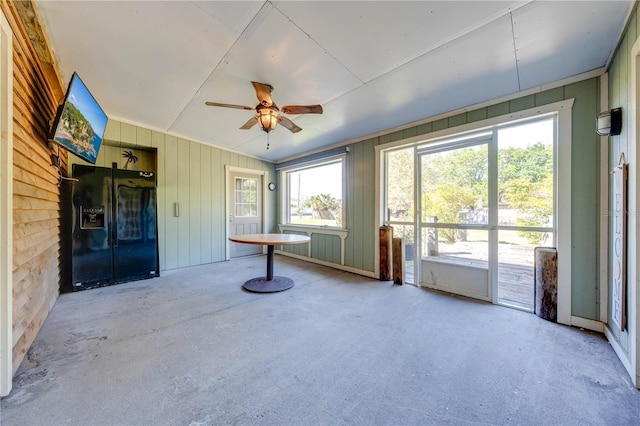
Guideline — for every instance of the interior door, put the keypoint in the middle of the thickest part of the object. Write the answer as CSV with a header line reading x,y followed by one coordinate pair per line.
x,y
245,211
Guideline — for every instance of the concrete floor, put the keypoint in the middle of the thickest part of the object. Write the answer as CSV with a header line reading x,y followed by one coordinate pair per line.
x,y
193,348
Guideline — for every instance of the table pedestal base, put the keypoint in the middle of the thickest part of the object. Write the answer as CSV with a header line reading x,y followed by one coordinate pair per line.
x,y
262,285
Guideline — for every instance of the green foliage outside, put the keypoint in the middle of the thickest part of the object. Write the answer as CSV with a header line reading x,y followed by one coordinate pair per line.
x,y
324,206
326,211
455,186
454,182
526,184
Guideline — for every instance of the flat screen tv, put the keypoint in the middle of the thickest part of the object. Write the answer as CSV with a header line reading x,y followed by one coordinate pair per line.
x,y
80,122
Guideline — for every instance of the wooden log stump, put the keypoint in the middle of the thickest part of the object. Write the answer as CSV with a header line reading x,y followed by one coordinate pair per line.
x,y
386,237
546,283
398,260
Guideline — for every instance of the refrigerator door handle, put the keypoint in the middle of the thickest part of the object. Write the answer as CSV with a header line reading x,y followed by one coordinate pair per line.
x,y
114,216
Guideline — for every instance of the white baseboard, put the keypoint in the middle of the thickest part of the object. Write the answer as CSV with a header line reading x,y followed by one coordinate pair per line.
x,y
622,356
587,323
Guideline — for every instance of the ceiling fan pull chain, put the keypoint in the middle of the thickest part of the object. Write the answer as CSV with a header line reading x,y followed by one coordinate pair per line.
x,y
268,141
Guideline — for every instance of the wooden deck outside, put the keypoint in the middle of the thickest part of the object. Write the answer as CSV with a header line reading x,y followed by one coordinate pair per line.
x,y
515,282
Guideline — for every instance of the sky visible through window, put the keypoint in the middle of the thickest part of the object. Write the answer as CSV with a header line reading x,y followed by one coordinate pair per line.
x,y
526,135
326,179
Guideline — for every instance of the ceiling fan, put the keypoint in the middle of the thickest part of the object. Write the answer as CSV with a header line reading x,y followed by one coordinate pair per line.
x,y
268,114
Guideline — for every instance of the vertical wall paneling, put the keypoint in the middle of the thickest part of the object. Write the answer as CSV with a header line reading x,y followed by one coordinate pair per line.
x,y
368,203
618,95
549,96
184,198
143,138
584,198
225,158
206,204
621,94
498,109
458,120
112,131
523,103
170,173
195,205
477,115
128,134
217,196
603,204
157,142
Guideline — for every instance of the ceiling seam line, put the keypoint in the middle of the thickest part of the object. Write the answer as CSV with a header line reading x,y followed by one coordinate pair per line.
x,y
515,51
318,44
459,36
223,60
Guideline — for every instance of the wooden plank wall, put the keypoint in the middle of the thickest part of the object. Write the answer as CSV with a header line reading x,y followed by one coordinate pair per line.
x,y
36,194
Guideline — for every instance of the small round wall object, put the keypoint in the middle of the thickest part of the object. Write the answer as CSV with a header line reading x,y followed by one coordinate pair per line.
x,y
271,186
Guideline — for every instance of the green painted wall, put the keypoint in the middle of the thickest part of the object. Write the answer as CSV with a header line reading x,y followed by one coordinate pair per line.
x,y
360,246
192,174
620,96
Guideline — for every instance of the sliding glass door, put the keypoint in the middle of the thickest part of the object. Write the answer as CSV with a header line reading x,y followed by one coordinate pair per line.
x,y
472,209
454,219
525,206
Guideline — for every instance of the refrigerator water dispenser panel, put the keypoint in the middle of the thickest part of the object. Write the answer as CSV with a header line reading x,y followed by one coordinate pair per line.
x,y
92,217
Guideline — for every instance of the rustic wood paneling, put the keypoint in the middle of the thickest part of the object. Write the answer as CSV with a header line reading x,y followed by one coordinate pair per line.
x,y
36,194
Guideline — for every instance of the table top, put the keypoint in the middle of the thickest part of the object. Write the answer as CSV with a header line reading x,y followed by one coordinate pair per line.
x,y
270,239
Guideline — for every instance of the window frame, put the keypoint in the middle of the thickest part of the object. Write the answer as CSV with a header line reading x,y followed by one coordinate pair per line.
x,y
285,194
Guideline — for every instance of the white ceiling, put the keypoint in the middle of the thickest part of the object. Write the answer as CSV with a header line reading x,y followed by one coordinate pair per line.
x,y
372,65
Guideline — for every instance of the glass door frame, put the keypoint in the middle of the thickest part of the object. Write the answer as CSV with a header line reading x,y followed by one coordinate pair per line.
x,y
467,139
450,143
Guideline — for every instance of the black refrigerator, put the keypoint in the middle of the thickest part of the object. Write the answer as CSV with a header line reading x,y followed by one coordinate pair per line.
x,y
114,237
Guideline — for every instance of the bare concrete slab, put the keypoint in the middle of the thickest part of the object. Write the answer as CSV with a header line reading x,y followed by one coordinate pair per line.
x,y
193,348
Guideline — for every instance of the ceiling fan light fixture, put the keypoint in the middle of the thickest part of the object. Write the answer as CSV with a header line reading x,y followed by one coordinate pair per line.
x,y
267,118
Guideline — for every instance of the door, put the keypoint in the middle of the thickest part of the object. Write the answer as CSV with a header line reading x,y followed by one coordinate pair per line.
x,y
245,210
454,216
524,218
486,202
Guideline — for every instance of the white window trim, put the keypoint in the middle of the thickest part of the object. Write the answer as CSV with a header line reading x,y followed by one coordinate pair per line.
x,y
6,206
563,179
285,192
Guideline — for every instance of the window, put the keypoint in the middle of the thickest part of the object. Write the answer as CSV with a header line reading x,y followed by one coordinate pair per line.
x,y
314,194
246,197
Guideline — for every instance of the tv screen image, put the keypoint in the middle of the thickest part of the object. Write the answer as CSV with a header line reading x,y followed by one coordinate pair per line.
x,y
80,122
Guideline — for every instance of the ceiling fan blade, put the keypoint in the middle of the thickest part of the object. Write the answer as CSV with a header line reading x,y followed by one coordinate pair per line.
x,y
302,109
285,122
249,124
263,92
229,106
